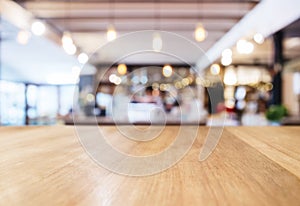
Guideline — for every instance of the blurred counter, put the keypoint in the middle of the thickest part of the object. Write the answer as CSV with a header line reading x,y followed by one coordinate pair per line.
x,y
170,120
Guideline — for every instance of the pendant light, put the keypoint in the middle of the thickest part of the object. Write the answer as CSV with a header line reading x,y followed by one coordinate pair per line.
x,y
67,41
244,47
83,58
156,38
111,33
167,70
38,28
122,69
200,33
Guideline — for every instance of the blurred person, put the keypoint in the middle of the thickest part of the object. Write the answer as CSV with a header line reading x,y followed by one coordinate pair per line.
x,y
104,102
192,109
148,97
252,116
120,102
146,108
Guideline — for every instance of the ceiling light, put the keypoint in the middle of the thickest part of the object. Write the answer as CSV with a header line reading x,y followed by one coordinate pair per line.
x,y
23,37
67,43
112,78
225,61
157,42
115,79
38,28
111,33
70,49
258,38
66,38
122,69
167,71
200,33
227,53
83,58
244,47
215,69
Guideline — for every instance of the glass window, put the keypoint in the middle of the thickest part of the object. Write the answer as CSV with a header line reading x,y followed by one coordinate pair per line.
x,y
12,103
66,99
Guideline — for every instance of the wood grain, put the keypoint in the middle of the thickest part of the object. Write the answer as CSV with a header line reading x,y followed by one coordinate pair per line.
x,y
250,166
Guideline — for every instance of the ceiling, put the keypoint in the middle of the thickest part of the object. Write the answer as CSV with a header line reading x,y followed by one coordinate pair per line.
x,y
88,22
40,61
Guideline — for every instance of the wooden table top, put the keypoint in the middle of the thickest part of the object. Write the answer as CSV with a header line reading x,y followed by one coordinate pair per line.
x,y
250,166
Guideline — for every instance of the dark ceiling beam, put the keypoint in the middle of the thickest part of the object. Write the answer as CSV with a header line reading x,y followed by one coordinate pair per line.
x,y
292,33
254,2
140,5
90,30
86,18
133,27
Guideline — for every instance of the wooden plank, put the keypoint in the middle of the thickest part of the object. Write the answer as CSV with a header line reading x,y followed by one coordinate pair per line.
x,y
48,166
280,144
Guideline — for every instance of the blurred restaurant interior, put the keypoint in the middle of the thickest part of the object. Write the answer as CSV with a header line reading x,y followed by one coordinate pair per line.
x,y
129,61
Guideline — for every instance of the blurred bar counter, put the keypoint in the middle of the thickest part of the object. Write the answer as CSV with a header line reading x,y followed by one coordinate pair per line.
x,y
111,121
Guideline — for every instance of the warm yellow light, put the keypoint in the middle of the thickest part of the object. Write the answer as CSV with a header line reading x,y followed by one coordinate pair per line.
x,y
90,97
167,71
111,33
178,85
200,33
215,69
258,38
200,81
66,39
23,37
185,81
122,69
163,87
